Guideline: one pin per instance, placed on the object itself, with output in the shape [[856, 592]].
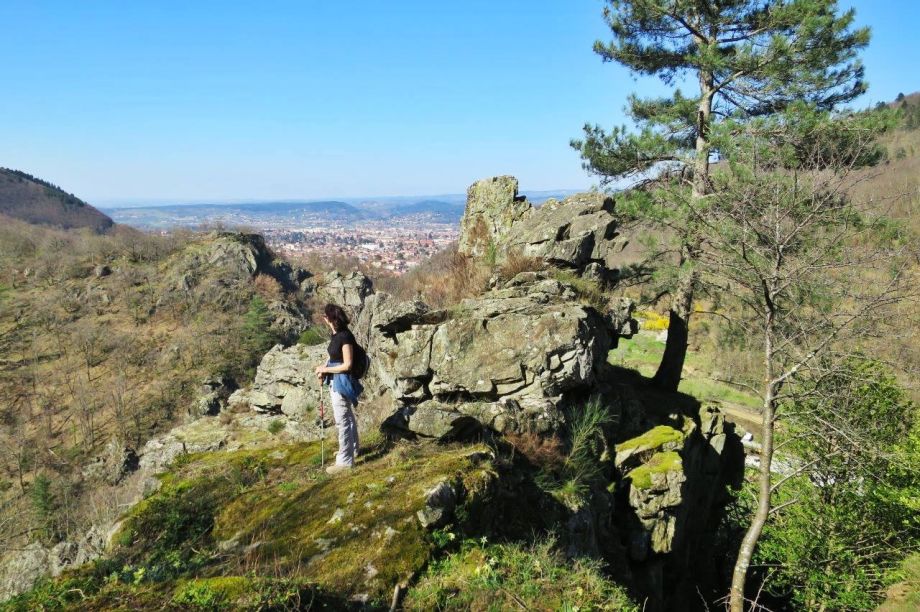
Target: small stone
[[336, 517], [324, 543]]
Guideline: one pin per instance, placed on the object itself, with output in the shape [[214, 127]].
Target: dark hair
[[336, 316]]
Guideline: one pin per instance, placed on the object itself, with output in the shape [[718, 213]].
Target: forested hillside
[[25, 197]]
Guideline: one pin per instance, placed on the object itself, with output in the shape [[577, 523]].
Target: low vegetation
[[484, 576]]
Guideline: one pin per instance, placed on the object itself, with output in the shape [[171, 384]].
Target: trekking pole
[[322, 428]]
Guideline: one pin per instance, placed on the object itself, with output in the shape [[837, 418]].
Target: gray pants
[[347, 427]]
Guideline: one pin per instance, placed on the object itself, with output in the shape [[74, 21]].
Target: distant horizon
[[158, 203]]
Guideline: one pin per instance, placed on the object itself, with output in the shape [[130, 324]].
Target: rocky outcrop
[[21, 569], [115, 463], [493, 207], [672, 485], [285, 382], [347, 290], [578, 232], [214, 391], [446, 369]]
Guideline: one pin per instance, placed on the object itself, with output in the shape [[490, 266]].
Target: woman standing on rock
[[343, 387]]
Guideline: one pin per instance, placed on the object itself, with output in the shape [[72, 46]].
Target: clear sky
[[196, 100]]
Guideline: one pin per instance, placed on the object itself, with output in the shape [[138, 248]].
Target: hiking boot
[[336, 469]]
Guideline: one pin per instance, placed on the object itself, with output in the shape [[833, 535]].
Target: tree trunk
[[764, 483], [703, 114], [675, 350]]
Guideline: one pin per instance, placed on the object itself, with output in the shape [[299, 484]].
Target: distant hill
[[191, 215], [22, 196], [447, 212]]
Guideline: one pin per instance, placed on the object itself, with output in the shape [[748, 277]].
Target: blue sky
[[166, 101]]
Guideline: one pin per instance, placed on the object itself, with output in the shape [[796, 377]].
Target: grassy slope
[[264, 528], [700, 379], [905, 595]]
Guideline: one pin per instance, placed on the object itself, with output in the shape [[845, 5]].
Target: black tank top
[[339, 339]]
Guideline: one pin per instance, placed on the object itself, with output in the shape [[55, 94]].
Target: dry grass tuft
[[444, 280], [515, 263], [540, 451]]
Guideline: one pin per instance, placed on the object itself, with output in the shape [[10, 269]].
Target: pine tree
[[744, 59], [257, 328]]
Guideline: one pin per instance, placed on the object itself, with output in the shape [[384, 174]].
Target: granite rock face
[[578, 232], [493, 207], [347, 290], [505, 359]]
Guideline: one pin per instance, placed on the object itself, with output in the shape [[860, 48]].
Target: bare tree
[[799, 257]]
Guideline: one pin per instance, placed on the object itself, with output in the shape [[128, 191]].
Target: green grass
[[714, 391], [905, 595], [643, 353]]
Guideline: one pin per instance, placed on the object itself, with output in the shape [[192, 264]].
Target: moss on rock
[[653, 438], [275, 512], [660, 463]]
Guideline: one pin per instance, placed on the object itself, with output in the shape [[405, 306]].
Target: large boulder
[[507, 359], [284, 381], [347, 290]]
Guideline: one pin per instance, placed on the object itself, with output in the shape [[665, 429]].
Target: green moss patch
[[275, 512], [652, 439], [660, 463]]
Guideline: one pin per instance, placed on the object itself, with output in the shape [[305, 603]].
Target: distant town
[[392, 234], [394, 238], [391, 245]]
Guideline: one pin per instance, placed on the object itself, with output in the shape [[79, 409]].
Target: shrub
[[276, 426], [443, 280], [851, 517], [650, 320], [542, 451], [311, 337], [584, 462], [588, 291], [267, 287], [515, 263]]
